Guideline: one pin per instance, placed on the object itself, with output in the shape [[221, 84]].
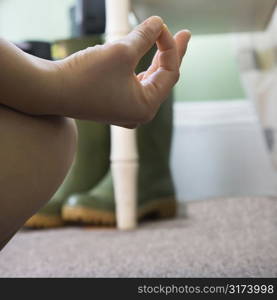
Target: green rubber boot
[[92, 158], [155, 185]]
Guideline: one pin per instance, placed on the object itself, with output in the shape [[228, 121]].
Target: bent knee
[[36, 154], [45, 139]]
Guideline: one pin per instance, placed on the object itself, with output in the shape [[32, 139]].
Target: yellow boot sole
[[44, 221], [161, 208]]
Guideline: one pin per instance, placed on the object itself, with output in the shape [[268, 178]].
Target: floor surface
[[229, 237]]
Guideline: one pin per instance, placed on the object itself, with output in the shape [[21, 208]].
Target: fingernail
[[165, 26], [154, 22]]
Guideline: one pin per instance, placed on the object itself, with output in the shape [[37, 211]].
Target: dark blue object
[[36, 48], [89, 17]]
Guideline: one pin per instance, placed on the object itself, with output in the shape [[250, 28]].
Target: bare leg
[[35, 155]]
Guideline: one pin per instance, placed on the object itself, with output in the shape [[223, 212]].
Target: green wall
[[34, 19], [209, 70]]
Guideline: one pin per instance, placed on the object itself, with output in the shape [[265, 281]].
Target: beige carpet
[[217, 238]]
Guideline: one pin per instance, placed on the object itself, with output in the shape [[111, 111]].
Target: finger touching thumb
[[144, 36]]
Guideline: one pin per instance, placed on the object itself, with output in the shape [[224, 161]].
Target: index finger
[[144, 36], [159, 83], [168, 54]]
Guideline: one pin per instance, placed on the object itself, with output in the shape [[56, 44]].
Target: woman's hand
[[99, 83]]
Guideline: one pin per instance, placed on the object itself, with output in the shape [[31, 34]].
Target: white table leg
[[123, 141]]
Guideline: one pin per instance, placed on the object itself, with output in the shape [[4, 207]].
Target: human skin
[[35, 155], [38, 98], [97, 83]]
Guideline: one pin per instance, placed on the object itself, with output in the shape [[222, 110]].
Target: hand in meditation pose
[[38, 98]]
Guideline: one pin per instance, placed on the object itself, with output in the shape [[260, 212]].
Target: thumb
[[144, 36]]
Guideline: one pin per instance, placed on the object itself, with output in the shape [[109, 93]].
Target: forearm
[[27, 83]]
